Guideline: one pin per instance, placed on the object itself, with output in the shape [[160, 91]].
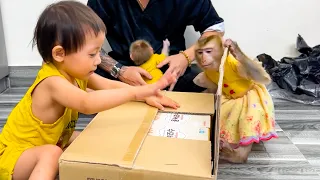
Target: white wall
[[19, 20], [259, 26]]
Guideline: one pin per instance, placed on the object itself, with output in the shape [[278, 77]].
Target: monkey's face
[[209, 56]]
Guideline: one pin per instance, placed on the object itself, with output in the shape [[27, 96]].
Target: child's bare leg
[[38, 163]]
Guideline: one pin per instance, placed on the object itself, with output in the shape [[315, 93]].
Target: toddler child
[[69, 36]]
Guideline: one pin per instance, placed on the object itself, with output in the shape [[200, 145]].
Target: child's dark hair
[[140, 51], [65, 23]]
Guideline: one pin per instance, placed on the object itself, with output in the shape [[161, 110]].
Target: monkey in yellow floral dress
[[247, 110]]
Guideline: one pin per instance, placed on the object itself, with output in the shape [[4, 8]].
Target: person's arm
[[191, 51], [100, 8], [107, 62], [65, 93], [205, 19], [97, 82], [129, 74], [68, 95]]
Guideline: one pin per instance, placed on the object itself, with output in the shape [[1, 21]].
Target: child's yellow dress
[[23, 130], [151, 67], [247, 110]]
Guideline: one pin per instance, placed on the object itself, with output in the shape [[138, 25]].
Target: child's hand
[[162, 102], [234, 49], [142, 92]]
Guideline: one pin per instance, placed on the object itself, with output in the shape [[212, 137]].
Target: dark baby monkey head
[[209, 51], [140, 52]]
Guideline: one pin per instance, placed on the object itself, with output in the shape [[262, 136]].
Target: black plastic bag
[[309, 88], [298, 75], [302, 46], [278, 93], [283, 74]]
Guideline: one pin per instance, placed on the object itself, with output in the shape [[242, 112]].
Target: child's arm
[[97, 82], [165, 49], [248, 68], [68, 95]]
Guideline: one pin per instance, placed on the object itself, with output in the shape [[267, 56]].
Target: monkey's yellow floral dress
[[247, 110]]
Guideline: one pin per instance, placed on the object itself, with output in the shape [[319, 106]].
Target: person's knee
[[51, 151]]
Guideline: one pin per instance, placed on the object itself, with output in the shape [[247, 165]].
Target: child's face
[[83, 63], [209, 56]]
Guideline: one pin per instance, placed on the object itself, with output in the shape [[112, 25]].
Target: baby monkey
[[208, 53], [247, 111], [142, 54]]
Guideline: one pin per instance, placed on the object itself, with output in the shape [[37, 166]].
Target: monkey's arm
[[165, 49], [202, 80], [253, 69]]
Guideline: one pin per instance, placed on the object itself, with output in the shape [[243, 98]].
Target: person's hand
[[142, 92], [161, 102], [133, 75], [234, 49], [177, 65]]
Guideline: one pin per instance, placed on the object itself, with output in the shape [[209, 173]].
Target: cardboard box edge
[[213, 177]]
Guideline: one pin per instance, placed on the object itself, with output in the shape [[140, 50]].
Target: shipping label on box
[[181, 125]]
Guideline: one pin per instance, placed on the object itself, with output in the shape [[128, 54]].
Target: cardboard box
[[116, 145], [181, 125]]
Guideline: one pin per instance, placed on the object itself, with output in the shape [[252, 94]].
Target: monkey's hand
[[165, 49], [166, 43], [234, 49], [203, 81], [248, 68]]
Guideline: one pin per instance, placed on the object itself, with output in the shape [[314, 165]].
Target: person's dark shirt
[[161, 19]]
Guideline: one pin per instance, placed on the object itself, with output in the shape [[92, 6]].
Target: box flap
[[193, 103], [112, 138]]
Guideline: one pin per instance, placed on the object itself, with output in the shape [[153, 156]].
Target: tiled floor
[[294, 155]]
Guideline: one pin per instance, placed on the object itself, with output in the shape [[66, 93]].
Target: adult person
[[154, 21]]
